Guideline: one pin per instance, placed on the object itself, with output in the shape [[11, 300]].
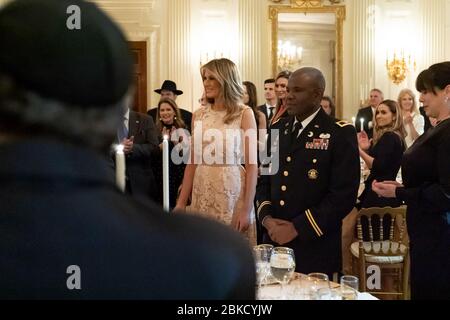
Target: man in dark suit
[[140, 141], [271, 100], [169, 90], [67, 232], [375, 98], [302, 205]]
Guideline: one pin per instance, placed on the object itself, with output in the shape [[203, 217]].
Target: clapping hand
[[363, 140], [408, 120]]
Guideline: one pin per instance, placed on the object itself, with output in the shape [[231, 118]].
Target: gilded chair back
[[381, 244]]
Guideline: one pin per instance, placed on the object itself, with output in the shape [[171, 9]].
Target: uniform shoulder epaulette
[[343, 123]]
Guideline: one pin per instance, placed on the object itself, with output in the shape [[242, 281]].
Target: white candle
[[362, 124], [354, 120], [165, 164], [120, 167]]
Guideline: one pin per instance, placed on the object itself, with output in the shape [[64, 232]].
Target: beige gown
[[219, 180]]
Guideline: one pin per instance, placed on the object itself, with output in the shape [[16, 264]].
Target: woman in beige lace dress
[[223, 139]]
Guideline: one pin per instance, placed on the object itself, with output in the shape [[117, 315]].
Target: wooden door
[[139, 52]]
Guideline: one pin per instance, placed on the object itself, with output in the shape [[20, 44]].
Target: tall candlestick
[[362, 124], [120, 167], [165, 163]]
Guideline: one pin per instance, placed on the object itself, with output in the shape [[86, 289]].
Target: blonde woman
[[383, 154], [413, 121], [215, 179]]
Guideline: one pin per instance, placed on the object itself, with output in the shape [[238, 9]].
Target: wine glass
[[261, 254], [319, 286], [282, 266], [349, 287]]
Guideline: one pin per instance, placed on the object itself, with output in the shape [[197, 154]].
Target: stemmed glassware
[[282, 266]]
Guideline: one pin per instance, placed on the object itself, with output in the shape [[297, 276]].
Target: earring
[[160, 119], [175, 118]]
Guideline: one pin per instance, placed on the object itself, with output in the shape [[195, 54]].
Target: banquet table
[[296, 290]]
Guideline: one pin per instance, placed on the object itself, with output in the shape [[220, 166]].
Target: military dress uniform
[[315, 187]]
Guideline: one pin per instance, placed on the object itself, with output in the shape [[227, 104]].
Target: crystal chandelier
[[288, 55]]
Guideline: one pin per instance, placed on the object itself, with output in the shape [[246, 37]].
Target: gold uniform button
[[283, 188], [286, 173], [282, 203], [288, 159], [315, 161]]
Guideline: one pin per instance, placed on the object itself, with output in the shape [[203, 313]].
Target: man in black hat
[[169, 90], [67, 232]]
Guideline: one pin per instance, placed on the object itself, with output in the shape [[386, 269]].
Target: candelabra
[[399, 67]]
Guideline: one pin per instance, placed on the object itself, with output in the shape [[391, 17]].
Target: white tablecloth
[[295, 290]]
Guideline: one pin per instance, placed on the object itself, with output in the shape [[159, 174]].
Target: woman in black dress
[[426, 190], [169, 123], [382, 155]]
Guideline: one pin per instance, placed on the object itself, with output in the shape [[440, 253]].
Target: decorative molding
[[340, 14], [306, 3]]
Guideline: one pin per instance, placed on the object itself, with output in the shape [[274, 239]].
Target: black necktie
[[270, 113], [296, 129]]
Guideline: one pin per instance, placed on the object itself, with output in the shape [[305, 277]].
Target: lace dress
[[219, 180]]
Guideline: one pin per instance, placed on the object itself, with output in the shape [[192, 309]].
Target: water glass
[[262, 254], [318, 286], [349, 287]]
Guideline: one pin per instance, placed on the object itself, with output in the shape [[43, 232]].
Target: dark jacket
[[426, 176], [139, 168], [387, 154], [315, 187], [60, 207]]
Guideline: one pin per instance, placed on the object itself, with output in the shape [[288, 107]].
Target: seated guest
[[67, 231], [168, 123], [413, 121], [383, 154]]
